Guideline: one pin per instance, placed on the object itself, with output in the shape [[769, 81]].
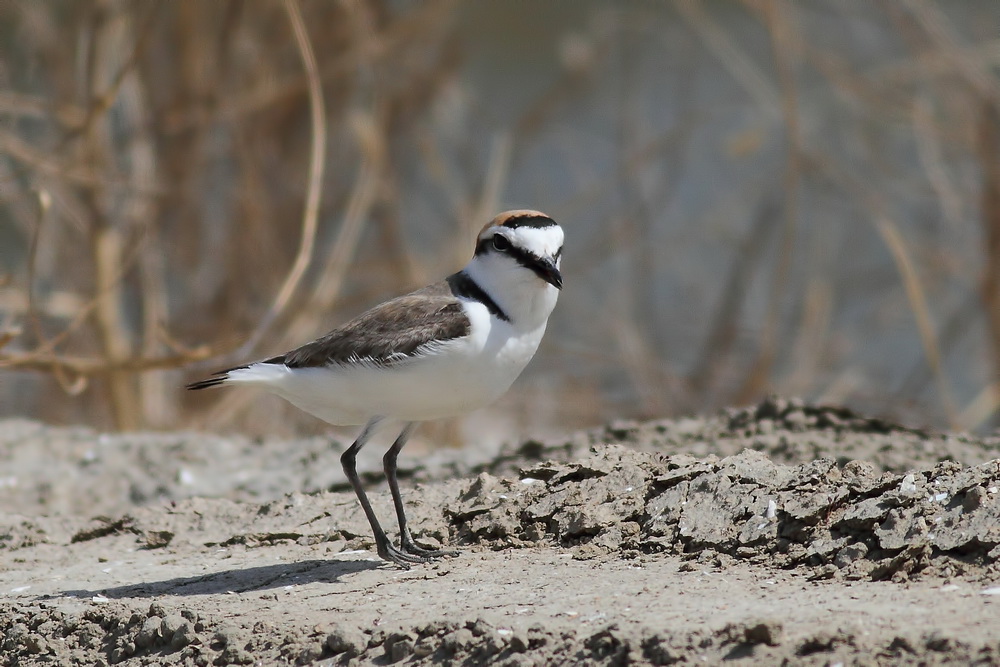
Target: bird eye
[[501, 243]]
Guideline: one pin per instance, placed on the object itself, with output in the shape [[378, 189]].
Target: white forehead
[[539, 241]]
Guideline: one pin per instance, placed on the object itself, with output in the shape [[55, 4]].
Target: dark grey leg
[[382, 544], [389, 465]]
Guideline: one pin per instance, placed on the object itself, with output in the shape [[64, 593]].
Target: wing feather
[[388, 333]]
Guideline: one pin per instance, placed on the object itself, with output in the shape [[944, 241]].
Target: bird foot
[[411, 547], [387, 551]]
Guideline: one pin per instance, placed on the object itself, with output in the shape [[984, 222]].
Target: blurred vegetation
[[758, 196]]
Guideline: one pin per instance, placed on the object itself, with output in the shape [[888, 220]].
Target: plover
[[441, 351]]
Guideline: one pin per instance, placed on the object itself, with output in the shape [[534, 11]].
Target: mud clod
[[346, 640], [149, 634], [764, 632], [745, 507]]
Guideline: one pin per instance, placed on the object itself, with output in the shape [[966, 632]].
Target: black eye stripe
[[522, 256]]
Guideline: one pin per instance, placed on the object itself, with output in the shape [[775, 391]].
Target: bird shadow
[[242, 580]]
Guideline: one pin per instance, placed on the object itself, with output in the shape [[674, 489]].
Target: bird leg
[[383, 546], [389, 465]]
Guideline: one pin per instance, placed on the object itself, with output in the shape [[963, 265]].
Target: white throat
[[524, 297]]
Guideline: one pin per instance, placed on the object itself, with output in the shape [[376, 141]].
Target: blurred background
[[759, 196]]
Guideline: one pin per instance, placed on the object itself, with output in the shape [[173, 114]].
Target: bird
[[441, 351]]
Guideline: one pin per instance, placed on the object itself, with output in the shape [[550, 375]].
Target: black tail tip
[[218, 378], [206, 384]]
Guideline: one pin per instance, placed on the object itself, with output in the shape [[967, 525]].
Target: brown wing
[[389, 332]]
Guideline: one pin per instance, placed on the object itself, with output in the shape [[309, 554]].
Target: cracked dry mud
[[779, 533]]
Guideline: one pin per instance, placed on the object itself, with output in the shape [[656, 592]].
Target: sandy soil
[[779, 533]]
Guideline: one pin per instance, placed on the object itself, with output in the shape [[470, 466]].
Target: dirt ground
[[780, 533]]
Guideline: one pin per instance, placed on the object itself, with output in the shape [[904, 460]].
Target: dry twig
[[317, 158]]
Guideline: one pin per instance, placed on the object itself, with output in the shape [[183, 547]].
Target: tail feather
[[218, 378], [261, 370]]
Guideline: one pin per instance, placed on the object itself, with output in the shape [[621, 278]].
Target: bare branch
[[98, 366], [317, 157]]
